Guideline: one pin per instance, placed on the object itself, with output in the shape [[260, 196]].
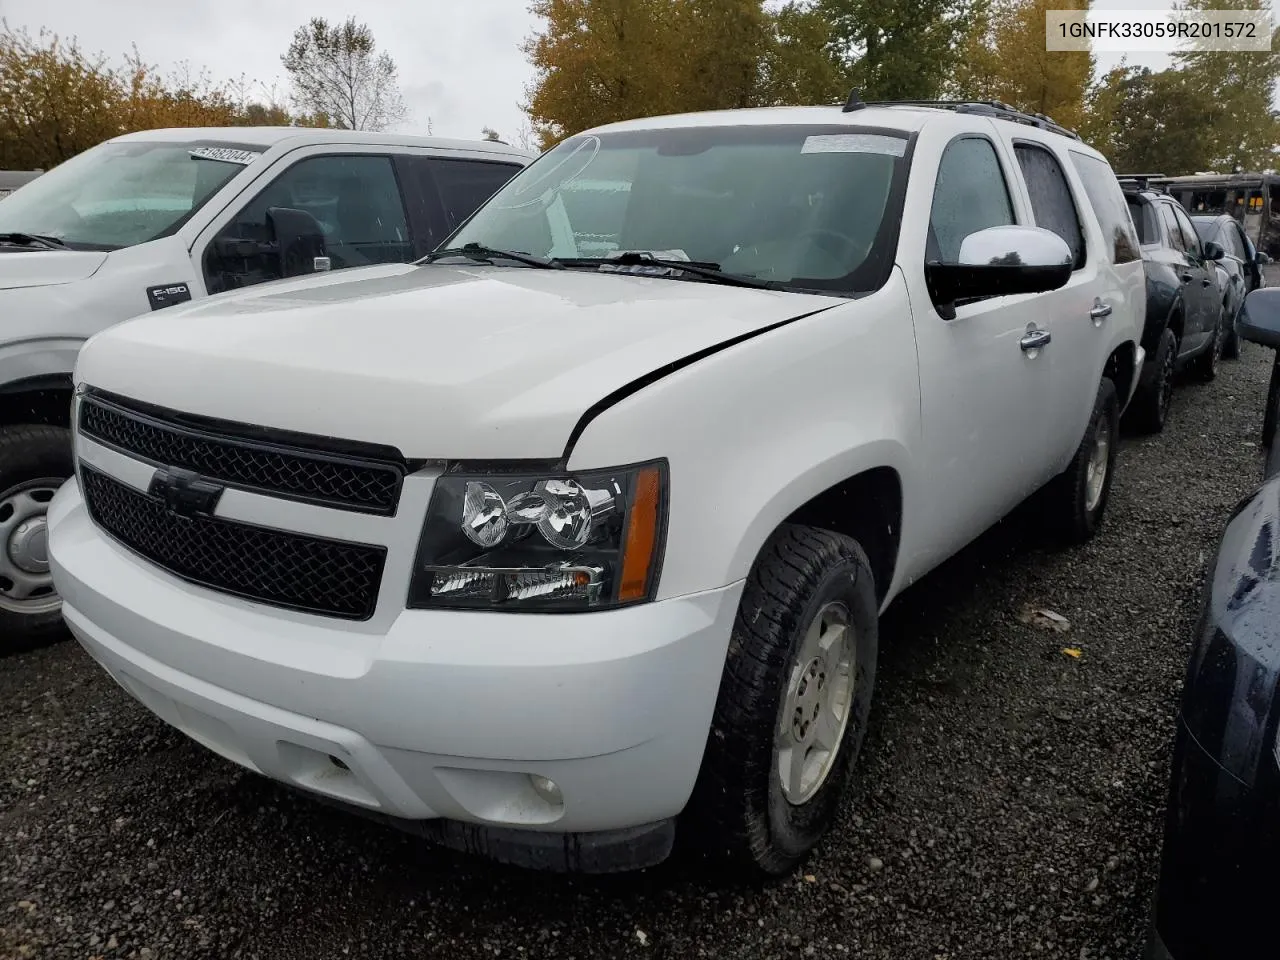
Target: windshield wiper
[[712, 271], [479, 252], [32, 240]]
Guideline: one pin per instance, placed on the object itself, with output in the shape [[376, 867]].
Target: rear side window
[[970, 195], [1144, 219], [1122, 223], [1051, 200]]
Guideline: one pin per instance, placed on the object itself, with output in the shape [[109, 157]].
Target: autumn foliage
[[598, 61], [56, 100]]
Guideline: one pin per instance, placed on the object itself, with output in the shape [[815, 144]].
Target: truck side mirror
[[1259, 320], [299, 241]]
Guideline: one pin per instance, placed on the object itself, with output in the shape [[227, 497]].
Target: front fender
[[38, 359], [754, 431]]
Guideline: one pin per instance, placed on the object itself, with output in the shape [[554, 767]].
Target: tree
[[1004, 58], [598, 61], [896, 51], [1237, 90], [800, 64], [56, 100], [1146, 121], [337, 72]]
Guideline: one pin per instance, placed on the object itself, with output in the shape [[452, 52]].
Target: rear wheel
[[793, 703], [34, 462]]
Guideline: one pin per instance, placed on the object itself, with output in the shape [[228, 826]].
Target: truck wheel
[[793, 703], [34, 462], [1076, 499], [1150, 407]]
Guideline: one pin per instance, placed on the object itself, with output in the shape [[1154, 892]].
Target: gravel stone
[[1005, 777]]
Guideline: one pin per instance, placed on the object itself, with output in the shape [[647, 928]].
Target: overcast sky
[[460, 61]]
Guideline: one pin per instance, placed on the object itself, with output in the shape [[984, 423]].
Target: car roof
[[267, 137], [905, 117]]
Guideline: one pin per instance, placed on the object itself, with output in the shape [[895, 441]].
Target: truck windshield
[[801, 207], [121, 194]]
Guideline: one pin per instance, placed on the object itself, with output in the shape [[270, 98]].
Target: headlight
[[582, 541]]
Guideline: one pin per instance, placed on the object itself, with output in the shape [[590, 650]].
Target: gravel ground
[[1008, 805]]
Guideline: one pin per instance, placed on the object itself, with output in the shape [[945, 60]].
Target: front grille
[[283, 569], [251, 463]]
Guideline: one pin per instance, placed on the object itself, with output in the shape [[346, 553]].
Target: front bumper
[[442, 715]]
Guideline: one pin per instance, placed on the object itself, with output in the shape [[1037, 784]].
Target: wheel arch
[[860, 495]]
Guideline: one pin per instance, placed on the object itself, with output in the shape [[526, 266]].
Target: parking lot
[[1009, 799]]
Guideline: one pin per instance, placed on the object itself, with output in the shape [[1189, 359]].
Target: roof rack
[[986, 108], [1143, 181]]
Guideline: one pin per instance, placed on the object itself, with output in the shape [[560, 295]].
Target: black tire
[[738, 813], [31, 457], [1272, 414], [1205, 366], [1068, 511], [1231, 340], [1150, 407]]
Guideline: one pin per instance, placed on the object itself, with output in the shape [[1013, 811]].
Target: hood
[[20, 267], [440, 362]]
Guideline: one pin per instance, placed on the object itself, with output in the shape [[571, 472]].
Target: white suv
[[536, 552]]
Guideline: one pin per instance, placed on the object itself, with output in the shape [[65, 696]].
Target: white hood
[[43, 268], [441, 362]]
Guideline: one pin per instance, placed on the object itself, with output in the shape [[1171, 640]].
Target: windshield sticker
[[225, 154], [855, 143]]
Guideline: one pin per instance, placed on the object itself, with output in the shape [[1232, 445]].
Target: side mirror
[[1214, 251], [299, 241], [1259, 319], [1261, 259], [1000, 262]]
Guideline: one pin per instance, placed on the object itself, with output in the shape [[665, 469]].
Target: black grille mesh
[[372, 487], [271, 566]]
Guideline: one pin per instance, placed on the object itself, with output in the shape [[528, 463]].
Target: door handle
[[1100, 311], [1187, 278], [1035, 339], [1205, 282]]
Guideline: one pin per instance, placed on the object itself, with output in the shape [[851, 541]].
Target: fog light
[[546, 789]]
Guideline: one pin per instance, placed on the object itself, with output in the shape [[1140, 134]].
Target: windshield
[[804, 207], [120, 194]]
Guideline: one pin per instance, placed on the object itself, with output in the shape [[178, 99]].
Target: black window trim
[[240, 201], [1085, 259]]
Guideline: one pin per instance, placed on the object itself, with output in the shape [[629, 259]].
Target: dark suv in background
[[1186, 304], [1241, 269]]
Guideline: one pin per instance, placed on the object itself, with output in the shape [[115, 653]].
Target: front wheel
[[34, 462], [1076, 500], [793, 703]]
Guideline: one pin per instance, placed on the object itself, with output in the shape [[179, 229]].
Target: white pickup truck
[[150, 220], [546, 554]]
